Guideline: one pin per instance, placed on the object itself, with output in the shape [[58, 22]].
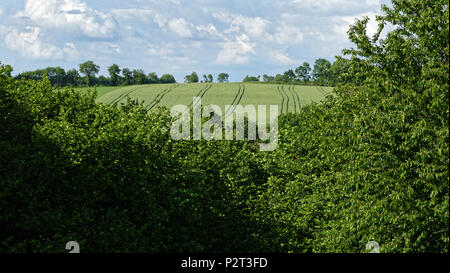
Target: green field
[[102, 90], [289, 98]]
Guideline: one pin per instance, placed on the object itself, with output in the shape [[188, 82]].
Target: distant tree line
[[86, 76], [323, 73], [193, 78]]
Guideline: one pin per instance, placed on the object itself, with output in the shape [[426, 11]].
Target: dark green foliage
[[89, 69], [60, 78], [112, 180], [372, 164], [223, 77], [191, 78], [368, 164], [114, 73], [167, 78], [251, 79]]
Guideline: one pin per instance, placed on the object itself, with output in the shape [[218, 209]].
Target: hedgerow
[[368, 164]]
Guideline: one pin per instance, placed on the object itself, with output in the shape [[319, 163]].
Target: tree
[[127, 76], [114, 73], [152, 78], [167, 78], [139, 76], [205, 78], [73, 78], [60, 76], [279, 78], [303, 72], [380, 147], [210, 78], [321, 71], [103, 81], [5, 70], [192, 78], [289, 76], [89, 69], [267, 78], [56, 75], [339, 72], [251, 79], [223, 77]]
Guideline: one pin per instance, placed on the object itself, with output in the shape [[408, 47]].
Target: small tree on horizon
[[114, 73], [89, 69], [223, 77], [192, 78]]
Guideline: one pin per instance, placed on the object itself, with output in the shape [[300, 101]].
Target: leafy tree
[[6, 70], [267, 78], [205, 78], [114, 74], [73, 78], [289, 76], [251, 79], [210, 78], [371, 164], [139, 76], [223, 77], [152, 78], [89, 69], [127, 76], [192, 78], [103, 81], [167, 78], [321, 71], [340, 72], [279, 78], [303, 72]]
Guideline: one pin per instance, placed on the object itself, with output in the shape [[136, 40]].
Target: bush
[[368, 164]]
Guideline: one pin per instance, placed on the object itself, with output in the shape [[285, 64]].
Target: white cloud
[[282, 58], [251, 26], [70, 15], [160, 51], [133, 14], [4, 29], [235, 52], [160, 20], [342, 24], [210, 31], [181, 27], [106, 48], [288, 34], [331, 7], [29, 44]]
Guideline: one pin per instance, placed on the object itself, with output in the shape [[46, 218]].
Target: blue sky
[[176, 36]]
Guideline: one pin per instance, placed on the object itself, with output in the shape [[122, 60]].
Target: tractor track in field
[[200, 94], [290, 87], [282, 99], [123, 95], [325, 91], [320, 89], [240, 98], [237, 100], [298, 98], [159, 97], [287, 99]]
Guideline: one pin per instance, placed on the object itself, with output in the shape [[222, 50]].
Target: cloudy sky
[[177, 36]]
